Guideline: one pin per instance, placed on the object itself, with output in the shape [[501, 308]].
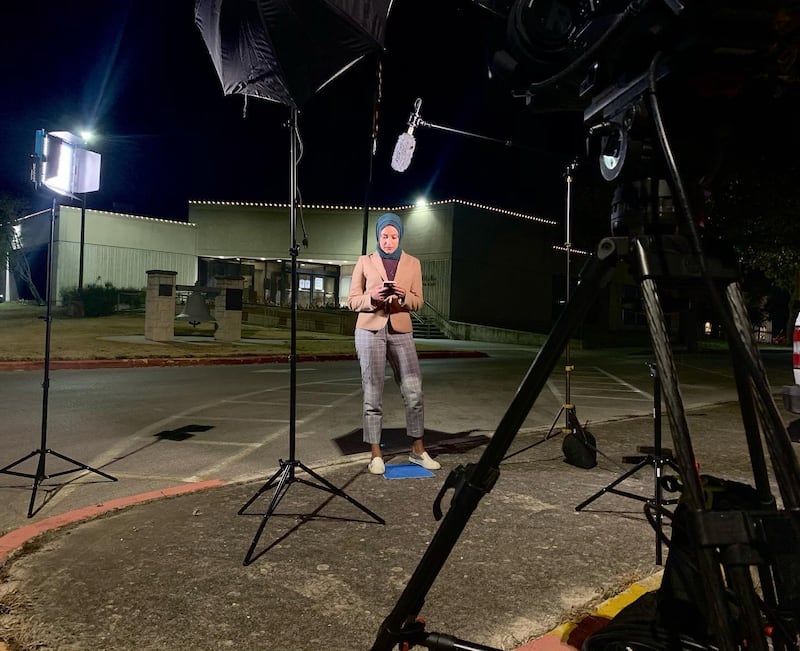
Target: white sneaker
[[376, 466], [424, 460]]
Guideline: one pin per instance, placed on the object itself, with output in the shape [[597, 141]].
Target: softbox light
[[285, 51], [65, 165]]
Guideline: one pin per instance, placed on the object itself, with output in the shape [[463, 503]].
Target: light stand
[[657, 459], [82, 246], [285, 476], [41, 472], [568, 409], [571, 423], [373, 143]]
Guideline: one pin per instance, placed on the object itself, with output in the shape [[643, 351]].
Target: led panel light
[[65, 165]]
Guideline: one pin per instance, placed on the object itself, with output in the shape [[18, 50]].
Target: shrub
[[101, 300]]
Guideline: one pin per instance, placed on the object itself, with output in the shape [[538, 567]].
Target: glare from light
[[87, 134], [60, 179], [67, 167], [421, 202]]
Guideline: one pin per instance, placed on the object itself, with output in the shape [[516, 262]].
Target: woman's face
[[389, 239]]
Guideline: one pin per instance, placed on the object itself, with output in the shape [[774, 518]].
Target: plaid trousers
[[374, 349]]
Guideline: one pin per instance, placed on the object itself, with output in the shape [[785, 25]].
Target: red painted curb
[[549, 642], [15, 539], [210, 361]]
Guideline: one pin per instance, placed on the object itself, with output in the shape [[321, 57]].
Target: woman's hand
[[378, 294], [381, 294], [399, 293]]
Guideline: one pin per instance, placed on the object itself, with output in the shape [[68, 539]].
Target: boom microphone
[[406, 143], [403, 151]]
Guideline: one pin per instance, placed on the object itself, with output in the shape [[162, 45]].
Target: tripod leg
[[751, 417], [692, 492], [657, 460], [40, 466], [750, 420], [779, 445], [553, 424], [81, 466], [658, 498], [7, 470], [475, 480], [546, 437], [41, 473], [335, 490], [283, 485], [282, 480], [267, 485], [610, 487]]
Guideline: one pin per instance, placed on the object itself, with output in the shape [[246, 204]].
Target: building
[[481, 265], [118, 249]]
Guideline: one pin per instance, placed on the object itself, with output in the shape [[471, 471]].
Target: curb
[[16, 539], [155, 362], [571, 635], [568, 636]]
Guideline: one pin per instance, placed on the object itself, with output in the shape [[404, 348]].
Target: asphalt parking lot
[[169, 573]]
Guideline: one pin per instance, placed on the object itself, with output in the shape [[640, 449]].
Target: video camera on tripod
[[731, 580], [564, 54]]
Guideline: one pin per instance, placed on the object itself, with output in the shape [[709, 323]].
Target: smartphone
[[388, 284]]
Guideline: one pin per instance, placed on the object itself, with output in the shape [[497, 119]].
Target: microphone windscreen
[[403, 151]]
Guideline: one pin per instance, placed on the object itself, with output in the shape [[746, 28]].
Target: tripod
[[726, 601], [657, 459], [471, 482], [41, 472], [571, 423], [286, 475], [568, 409]]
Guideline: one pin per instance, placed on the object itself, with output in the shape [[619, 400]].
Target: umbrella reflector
[[286, 50]]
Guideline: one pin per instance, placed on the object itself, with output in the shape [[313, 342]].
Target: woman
[[386, 287]]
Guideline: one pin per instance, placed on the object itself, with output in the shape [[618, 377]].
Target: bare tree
[[11, 210]]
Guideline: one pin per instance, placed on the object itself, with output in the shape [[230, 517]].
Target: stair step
[[424, 329]]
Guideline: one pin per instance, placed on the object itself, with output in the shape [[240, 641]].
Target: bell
[[195, 311]]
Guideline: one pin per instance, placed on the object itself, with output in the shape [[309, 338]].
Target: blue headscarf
[[389, 219]]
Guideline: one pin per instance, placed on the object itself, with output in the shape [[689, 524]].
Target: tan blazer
[[369, 273]]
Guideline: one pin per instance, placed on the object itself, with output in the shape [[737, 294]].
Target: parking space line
[[196, 416], [282, 403], [217, 468], [619, 380]]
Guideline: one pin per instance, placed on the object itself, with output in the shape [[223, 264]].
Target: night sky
[[138, 73]]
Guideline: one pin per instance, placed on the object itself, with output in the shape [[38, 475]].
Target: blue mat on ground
[[405, 471]]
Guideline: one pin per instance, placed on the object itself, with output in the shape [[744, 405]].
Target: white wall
[[334, 234], [121, 248], [118, 248]]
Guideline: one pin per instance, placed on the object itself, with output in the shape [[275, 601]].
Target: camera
[[564, 54]]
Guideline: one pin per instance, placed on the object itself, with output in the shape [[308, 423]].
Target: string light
[[502, 211]]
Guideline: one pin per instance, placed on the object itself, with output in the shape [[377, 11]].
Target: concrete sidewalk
[[169, 573]]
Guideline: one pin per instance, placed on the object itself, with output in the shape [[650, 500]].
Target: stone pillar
[[159, 309], [228, 308]]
